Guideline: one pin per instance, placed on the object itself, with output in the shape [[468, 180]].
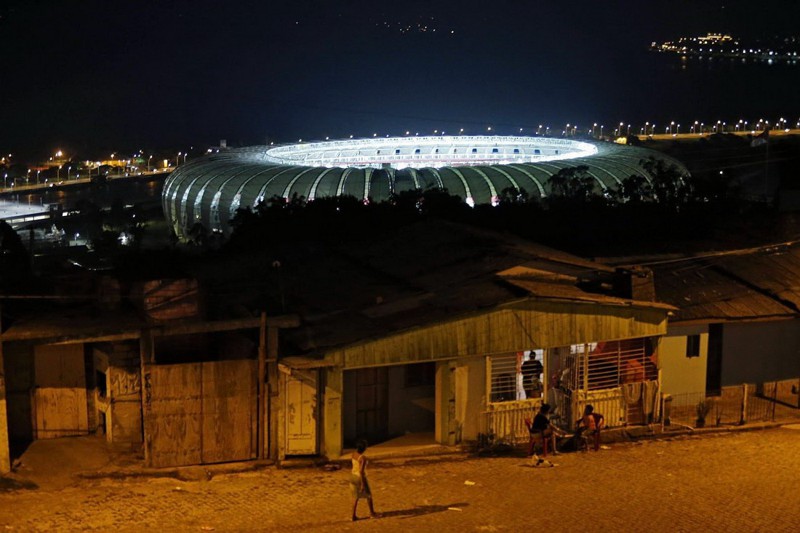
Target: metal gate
[[199, 413]]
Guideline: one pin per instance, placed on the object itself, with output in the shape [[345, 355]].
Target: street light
[[148, 162], [58, 174], [68, 169]]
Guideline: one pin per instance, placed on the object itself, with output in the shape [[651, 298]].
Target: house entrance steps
[[409, 446]]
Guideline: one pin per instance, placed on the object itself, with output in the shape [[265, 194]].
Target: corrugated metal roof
[[725, 288], [446, 271], [776, 273]]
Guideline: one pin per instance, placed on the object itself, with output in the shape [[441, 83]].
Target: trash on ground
[[454, 509], [538, 462], [604, 447], [468, 482]]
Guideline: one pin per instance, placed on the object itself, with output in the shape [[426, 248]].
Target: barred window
[[610, 364], [603, 365], [516, 376]]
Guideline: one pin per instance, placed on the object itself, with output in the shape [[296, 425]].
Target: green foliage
[[670, 186]]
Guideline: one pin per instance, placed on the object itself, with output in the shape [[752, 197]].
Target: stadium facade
[[209, 190]]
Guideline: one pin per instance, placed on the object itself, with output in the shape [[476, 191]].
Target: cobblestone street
[[731, 481]]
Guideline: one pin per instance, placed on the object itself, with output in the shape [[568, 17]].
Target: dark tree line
[[578, 215]]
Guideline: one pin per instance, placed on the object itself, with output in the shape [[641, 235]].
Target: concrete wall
[[470, 397], [760, 351], [348, 410], [5, 452], [681, 374], [333, 415], [124, 391]]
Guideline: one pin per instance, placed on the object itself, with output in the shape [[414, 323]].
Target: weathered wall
[[60, 404], [123, 390], [332, 413], [681, 374], [470, 397], [349, 407], [5, 452], [446, 427], [760, 351], [525, 325]]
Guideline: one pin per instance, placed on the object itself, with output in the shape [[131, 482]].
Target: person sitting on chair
[[590, 425], [542, 428]]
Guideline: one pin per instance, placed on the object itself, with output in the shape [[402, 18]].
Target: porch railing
[[619, 407]]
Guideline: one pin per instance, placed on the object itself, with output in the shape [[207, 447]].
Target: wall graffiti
[[122, 384]]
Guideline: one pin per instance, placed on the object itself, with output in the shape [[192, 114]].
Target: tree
[[669, 184], [634, 189], [573, 184], [512, 195]]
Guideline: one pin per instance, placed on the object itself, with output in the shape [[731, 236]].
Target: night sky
[[100, 75]]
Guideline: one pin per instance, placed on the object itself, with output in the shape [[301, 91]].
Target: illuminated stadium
[[209, 190]]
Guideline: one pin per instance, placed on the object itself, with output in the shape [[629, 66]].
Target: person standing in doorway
[[359, 485]]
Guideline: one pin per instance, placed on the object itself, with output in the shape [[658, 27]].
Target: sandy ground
[[732, 481]]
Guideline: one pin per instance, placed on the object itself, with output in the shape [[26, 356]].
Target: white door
[[301, 412]]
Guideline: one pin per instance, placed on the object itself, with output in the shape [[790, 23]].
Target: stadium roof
[[209, 190]]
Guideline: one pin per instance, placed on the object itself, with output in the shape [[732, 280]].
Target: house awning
[[304, 363], [522, 325]]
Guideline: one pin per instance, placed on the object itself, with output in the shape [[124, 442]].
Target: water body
[[130, 191]]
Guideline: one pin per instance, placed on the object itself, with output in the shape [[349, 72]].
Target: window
[[421, 375], [693, 346], [517, 376], [495, 150], [516, 150], [474, 150], [537, 151], [397, 151], [610, 364], [416, 152]]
